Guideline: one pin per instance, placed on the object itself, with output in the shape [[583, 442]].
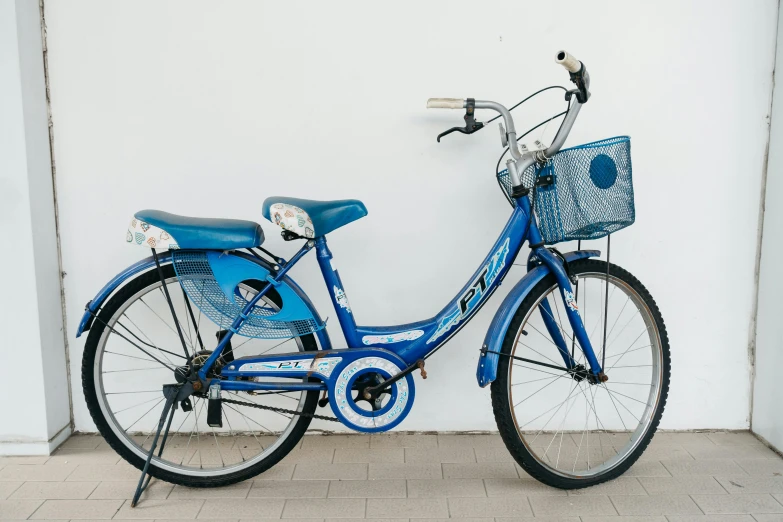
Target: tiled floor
[[682, 477]]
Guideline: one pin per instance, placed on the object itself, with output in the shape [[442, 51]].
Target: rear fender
[[488, 362]]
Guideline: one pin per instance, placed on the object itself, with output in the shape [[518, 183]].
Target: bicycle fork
[[555, 265]]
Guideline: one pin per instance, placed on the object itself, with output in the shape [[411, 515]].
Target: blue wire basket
[[585, 192]]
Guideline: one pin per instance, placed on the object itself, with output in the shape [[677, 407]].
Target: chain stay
[[279, 410]]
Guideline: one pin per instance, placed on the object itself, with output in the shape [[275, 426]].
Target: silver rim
[[128, 385], [573, 428]]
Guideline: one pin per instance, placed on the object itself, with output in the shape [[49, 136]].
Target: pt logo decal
[[475, 293], [571, 301]]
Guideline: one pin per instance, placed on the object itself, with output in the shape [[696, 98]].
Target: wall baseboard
[[37, 448]]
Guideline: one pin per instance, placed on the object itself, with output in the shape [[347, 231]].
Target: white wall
[[35, 408], [206, 108], [767, 393]]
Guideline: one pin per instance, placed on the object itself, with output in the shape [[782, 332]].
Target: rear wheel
[[133, 350], [562, 429]]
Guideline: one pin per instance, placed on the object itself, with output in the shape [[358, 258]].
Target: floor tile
[[747, 484], [618, 486], [381, 488], [394, 455], [651, 468], [84, 442], [723, 438], [652, 518], [665, 438], [682, 485], [673, 452], [445, 488], [403, 440], [277, 472], [373, 519], [761, 467], [289, 489], [336, 441], [702, 467], [27, 473], [406, 471], [18, 509], [7, 488], [312, 455], [23, 459], [731, 451], [497, 507], [325, 507], [470, 441], [340, 471], [471, 519], [747, 503], [548, 519], [437, 455], [124, 490], [492, 454], [55, 490], [655, 505], [482, 470], [162, 509], [712, 518], [765, 518], [242, 508], [238, 490], [519, 487], [413, 508], [574, 506], [104, 473], [77, 509], [84, 456]]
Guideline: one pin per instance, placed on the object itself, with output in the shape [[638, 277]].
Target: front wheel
[[563, 429]]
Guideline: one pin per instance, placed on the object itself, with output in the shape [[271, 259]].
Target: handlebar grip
[[570, 63], [445, 103]]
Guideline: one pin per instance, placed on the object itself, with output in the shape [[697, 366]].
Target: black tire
[[502, 404], [90, 393]]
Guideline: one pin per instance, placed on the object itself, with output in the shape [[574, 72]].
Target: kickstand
[[173, 394]]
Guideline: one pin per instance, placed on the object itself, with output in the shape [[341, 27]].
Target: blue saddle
[[205, 233], [310, 218]]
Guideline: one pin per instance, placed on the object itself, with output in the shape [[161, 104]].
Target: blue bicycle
[[205, 362]]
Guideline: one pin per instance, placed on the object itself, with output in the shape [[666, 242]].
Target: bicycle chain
[[280, 410]]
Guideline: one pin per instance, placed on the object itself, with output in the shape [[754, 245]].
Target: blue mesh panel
[[195, 276], [592, 193]]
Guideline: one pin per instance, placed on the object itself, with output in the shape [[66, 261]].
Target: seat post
[[337, 293]]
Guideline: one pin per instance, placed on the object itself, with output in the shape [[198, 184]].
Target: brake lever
[[471, 125]]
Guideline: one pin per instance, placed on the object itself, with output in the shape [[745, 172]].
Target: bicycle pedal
[[186, 405], [214, 407], [324, 400]]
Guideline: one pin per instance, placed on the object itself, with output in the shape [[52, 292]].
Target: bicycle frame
[[413, 342]]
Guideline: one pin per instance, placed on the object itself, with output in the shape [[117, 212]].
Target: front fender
[[94, 306], [488, 362]]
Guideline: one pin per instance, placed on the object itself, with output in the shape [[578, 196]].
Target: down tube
[[476, 292]]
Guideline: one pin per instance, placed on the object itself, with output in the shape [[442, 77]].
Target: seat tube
[[337, 293]]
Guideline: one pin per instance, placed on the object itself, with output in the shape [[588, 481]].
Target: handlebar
[[570, 63], [519, 162], [445, 103]]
